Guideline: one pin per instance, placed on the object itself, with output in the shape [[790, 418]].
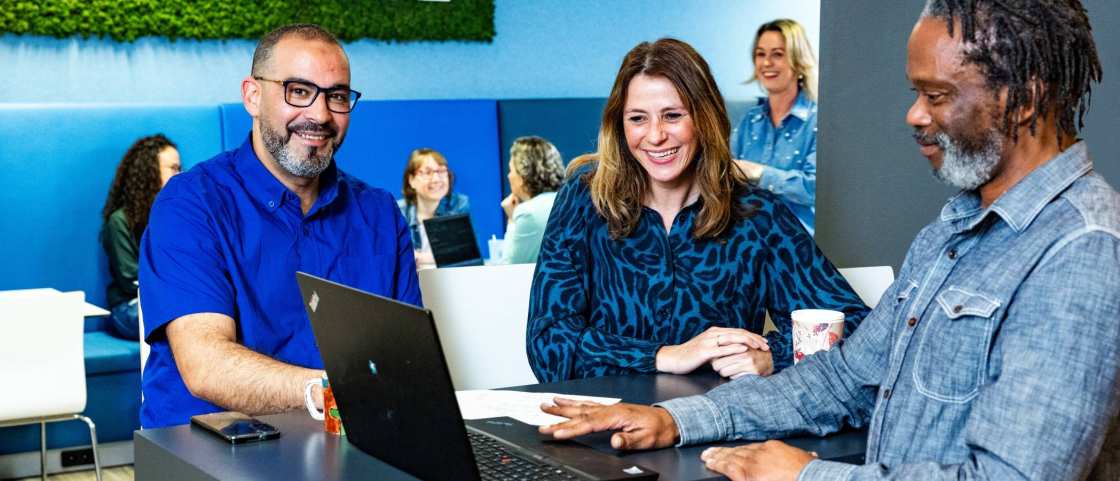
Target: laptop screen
[[452, 240]]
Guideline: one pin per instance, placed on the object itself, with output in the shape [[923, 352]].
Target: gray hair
[[538, 163]]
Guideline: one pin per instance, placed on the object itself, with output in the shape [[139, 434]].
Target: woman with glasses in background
[[427, 193]]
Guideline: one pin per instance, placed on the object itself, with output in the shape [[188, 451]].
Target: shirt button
[[913, 321], [886, 394], [957, 309], [952, 254], [271, 203]]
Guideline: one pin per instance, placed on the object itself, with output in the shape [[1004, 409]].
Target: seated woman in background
[[427, 193], [777, 139], [660, 256], [535, 172], [144, 170]]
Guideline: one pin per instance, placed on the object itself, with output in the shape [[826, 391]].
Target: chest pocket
[[953, 351]]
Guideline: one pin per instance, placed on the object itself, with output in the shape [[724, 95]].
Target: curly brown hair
[[137, 182]]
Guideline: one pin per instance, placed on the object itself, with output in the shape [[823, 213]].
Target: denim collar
[[802, 107], [1022, 203], [267, 189]]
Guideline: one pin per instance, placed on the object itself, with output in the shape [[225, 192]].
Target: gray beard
[[317, 160], [964, 168]]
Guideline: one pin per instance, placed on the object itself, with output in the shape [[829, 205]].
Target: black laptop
[[396, 399], [452, 240]]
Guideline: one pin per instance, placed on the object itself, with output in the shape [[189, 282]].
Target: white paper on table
[[522, 406]]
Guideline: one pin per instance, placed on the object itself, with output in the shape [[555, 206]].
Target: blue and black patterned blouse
[[604, 307]]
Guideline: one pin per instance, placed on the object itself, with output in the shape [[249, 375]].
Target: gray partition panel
[[874, 190]]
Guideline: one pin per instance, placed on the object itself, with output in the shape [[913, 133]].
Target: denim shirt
[[787, 152], [451, 204], [995, 354]]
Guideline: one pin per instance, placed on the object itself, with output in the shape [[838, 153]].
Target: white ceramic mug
[[815, 330]]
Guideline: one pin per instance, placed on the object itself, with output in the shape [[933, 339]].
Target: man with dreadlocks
[[996, 353]]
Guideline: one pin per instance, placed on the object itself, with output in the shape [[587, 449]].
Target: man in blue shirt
[[222, 309], [996, 353]]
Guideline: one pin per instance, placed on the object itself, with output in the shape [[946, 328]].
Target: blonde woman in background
[[776, 141]]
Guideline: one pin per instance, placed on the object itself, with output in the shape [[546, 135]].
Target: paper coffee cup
[[815, 330]]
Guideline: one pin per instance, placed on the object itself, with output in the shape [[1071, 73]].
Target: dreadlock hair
[[137, 182], [1042, 51]]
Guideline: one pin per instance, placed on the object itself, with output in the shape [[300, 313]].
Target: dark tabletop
[[305, 452]]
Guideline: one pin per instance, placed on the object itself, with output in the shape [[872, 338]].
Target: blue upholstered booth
[[58, 162]]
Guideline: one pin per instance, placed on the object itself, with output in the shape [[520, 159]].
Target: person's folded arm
[[798, 186], [1050, 409]]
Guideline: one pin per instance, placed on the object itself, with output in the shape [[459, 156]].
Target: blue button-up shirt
[[601, 306], [995, 355], [788, 153], [227, 237]]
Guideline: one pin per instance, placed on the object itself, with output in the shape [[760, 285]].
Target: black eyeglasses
[[297, 93]]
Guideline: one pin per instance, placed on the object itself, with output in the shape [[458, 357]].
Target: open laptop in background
[[394, 392], [452, 240]]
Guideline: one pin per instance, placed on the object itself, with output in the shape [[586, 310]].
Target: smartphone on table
[[236, 427]]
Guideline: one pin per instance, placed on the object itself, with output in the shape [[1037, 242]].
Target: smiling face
[[659, 131], [302, 140], [954, 114], [430, 180], [771, 64]]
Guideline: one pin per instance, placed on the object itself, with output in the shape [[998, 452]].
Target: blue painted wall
[[543, 49]]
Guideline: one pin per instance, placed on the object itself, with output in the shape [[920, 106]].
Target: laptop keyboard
[[498, 463]]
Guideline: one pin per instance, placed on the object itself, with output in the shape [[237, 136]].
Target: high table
[[305, 452]]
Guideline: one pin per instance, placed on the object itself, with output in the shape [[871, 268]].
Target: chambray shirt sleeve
[[1049, 412], [560, 336], [819, 395], [798, 186], [799, 276], [182, 265]]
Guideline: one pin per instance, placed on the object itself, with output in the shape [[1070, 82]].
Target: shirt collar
[[802, 107], [1022, 203], [267, 189]]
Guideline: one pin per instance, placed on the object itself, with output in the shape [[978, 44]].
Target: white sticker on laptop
[[314, 302]]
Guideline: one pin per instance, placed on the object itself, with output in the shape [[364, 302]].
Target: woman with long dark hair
[[144, 170]]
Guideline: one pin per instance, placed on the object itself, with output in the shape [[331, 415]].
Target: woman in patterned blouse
[[660, 256]]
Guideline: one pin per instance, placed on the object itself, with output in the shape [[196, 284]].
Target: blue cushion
[[107, 354]]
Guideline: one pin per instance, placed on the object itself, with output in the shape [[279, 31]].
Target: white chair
[[145, 349], [869, 282], [42, 364], [481, 315]]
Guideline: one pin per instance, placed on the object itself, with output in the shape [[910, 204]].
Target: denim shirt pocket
[[953, 352]]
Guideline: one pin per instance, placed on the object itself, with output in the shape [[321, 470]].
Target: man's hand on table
[[769, 461], [639, 427]]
